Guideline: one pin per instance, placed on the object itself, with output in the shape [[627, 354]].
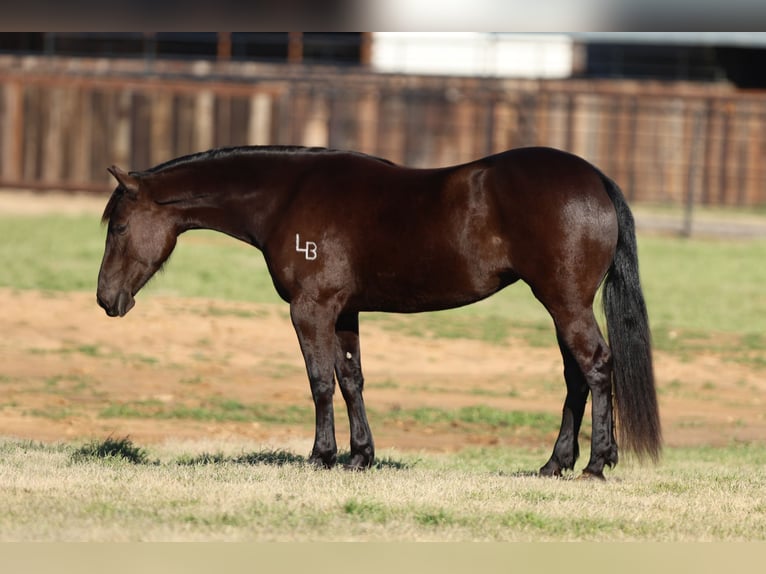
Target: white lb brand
[[309, 250]]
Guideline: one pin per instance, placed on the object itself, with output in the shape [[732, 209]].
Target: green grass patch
[[434, 517], [50, 252], [479, 415], [227, 410], [56, 413], [704, 285], [216, 410], [218, 311], [367, 511], [69, 348], [96, 352], [209, 264], [480, 322], [63, 253], [478, 391], [69, 383]]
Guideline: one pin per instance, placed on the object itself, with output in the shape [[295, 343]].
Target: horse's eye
[[119, 228]]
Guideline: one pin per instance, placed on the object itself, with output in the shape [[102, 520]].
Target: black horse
[[344, 232]]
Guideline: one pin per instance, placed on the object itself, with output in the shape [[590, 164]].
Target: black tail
[[638, 419]]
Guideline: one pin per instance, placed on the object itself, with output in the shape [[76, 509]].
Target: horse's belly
[[432, 283]]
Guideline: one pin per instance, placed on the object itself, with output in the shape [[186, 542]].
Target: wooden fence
[[63, 121]]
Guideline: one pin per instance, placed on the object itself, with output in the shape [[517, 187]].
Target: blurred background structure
[[676, 118]]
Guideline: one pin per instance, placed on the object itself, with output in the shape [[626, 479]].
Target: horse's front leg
[[315, 327], [348, 370]]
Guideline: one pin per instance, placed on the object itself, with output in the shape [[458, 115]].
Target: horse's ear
[[126, 180]]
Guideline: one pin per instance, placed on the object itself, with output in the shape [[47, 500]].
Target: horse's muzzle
[[118, 307]]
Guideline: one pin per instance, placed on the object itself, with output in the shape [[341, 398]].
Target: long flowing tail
[[638, 419]]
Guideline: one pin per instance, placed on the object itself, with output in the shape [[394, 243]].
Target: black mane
[[252, 149], [224, 152]]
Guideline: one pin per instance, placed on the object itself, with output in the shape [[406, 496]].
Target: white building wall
[[474, 54]]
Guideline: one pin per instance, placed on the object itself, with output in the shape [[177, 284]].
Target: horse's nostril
[[110, 310]]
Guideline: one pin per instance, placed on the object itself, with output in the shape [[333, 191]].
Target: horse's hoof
[[358, 463], [550, 471], [319, 462], [549, 474]]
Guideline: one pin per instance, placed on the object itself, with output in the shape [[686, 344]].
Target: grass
[[470, 418], [95, 351], [214, 409], [479, 415], [48, 492], [63, 253], [704, 285]]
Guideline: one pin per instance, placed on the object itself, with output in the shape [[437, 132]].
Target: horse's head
[[140, 237]]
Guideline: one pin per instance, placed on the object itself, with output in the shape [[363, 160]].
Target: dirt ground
[[64, 363]]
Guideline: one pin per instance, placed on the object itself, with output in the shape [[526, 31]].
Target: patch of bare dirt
[[64, 364]]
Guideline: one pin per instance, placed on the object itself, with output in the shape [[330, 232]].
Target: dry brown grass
[[697, 495]]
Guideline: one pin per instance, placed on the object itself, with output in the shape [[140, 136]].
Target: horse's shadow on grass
[[124, 449], [283, 457], [280, 458]]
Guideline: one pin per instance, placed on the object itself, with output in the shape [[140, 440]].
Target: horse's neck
[[241, 210]]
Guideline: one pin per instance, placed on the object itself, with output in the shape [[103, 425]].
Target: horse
[[343, 233]]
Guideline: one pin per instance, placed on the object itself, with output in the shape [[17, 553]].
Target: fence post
[[123, 129], [13, 133], [696, 150], [83, 138], [161, 129], [52, 140]]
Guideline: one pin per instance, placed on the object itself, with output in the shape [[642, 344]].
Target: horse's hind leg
[[567, 449], [580, 333], [348, 370]]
